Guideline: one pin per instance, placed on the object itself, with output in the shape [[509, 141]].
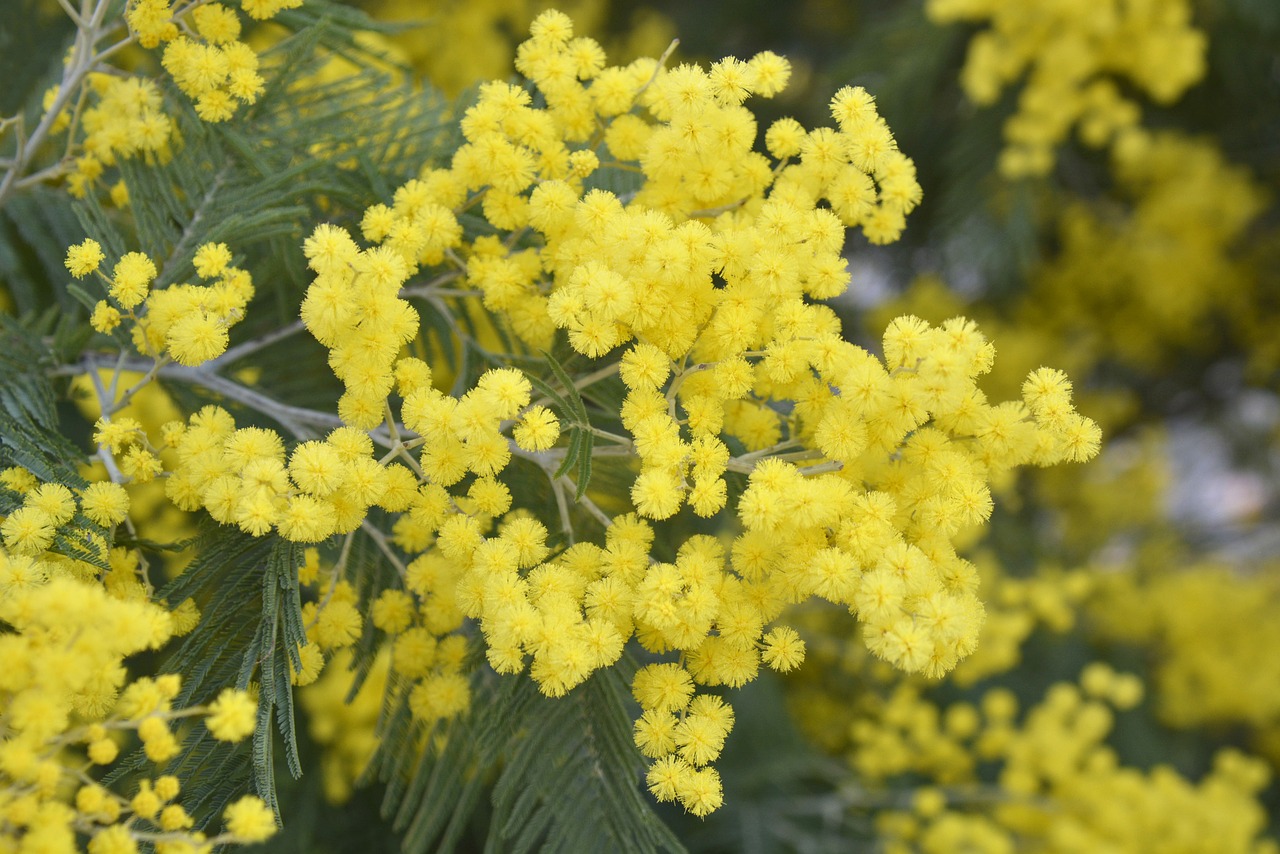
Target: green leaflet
[[562, 774], [572, 409], [249, 631], [30, 429]]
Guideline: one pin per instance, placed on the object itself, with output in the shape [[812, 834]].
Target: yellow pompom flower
[[662, 687], [783, 649], [537, 430], [105, 317], [440, 696], [233, 716], [105, 503], [337, 625], [393, 611], [103, 751], [115, 839], [196, 338], [317, 468], [131, 279], [250, 820], [84, 258], [211, 259], [28, 531]]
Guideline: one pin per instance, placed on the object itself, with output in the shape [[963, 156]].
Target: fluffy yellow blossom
[[84, 258], [131, 278], [538, 429], [250, 820], [1072, 67], [105, 503], [783, 649], [233, 716]]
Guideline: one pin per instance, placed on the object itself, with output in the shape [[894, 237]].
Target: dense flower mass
[[69, 701], [1076, 56], [507, 444], [694, 290]]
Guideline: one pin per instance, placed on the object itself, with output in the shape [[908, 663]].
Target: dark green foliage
[[561, 774], [30, 432], [36, 227], [249, 631], [570, 408]]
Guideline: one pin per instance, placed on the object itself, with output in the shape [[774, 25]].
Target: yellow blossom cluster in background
[[108, 116], [464, 41], [126, 120], [1140, 279], [1209, 631], [205, 56], [346, 727], [1063, 788], [185, 323], [1077, 57], [984, 775]]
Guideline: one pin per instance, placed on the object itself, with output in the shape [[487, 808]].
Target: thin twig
[[83, 61], [427, 289], [662, 61], [246, 348], [380, 539], [587, 504]]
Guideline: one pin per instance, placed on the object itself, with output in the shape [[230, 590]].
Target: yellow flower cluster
[[46, 523], [243, 477], [124, 119], [470, 40], [1210, 630], [859, 471], [1058, 785], [427, 654], [346, 729], [353, 307], [48, 507], [203, 52], [186, 323], [1147, 278], [682, 733], [1076, 56], [68, 703], [701, 277], [1048, 600]]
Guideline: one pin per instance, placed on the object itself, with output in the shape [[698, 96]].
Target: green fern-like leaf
[[563, 774]]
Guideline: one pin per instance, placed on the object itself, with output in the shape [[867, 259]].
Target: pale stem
[[136, 387], [822, 468], [380, 540], [339, 566], [624, 441], [293, 418], [766, 452], [234, 354], [746, 466], [432, 287], [113, 471], [587, 504], [83, 60], [678, 381], [662, 61]]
